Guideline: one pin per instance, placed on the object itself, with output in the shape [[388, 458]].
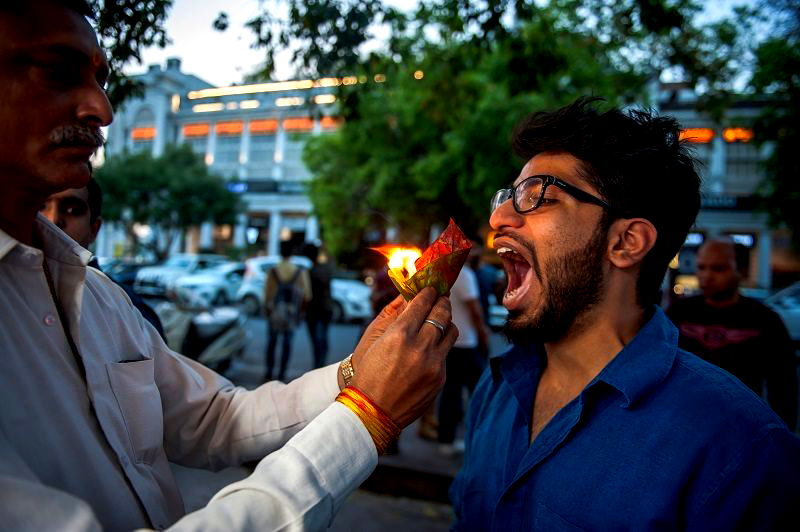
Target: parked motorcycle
[[211, 336]]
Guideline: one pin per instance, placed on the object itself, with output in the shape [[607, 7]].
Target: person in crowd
[[78, 212], [486, 275], [95, 405], [737, 333], [319, 311], [595, 419], [466, 360], [287, 291]]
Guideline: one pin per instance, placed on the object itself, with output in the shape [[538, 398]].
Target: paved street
[[249, 370], [364, 510]]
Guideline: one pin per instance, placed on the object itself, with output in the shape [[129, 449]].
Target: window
[[293, 167], [742, 168], [227, 151]]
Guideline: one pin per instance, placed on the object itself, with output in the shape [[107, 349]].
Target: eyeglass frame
[[547, 180]]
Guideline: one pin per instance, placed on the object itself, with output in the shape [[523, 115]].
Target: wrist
[[380, 426], [346, 372]]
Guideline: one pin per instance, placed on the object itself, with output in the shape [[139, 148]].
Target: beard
[[573, 284]]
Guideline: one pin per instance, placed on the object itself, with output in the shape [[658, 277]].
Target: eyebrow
[[68, 54]]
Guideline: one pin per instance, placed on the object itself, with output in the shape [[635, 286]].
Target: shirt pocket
[[134, 387]]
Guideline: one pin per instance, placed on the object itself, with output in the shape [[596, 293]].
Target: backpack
[[285, 308]]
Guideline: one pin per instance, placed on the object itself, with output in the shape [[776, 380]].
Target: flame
[[401, 259]]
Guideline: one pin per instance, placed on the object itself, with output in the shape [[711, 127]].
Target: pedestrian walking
[[286, 293]]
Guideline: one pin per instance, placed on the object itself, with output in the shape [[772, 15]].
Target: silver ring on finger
[[436, 324]]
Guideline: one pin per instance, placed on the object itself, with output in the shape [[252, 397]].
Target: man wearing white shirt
[[93, 402], [466, 359]]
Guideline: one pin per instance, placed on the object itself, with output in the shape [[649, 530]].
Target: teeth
[[513, 292], [501, 251]]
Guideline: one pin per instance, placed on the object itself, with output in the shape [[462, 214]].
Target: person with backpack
[[286, 292]]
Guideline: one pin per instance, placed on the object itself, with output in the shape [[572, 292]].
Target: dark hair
[[95, 199], [286, 248], [82, 7], [631, 158]]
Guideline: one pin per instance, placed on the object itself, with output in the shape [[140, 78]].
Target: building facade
[[252, 135], [730, 167]]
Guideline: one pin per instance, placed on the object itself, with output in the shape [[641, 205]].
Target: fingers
[[394, 308], [441, 313], [419, 307], [450, 336]]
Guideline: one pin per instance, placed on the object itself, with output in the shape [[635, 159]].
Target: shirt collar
[[642, 364], [56, 244]]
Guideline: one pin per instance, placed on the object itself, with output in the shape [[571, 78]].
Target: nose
[[94, 108], [505, 216]]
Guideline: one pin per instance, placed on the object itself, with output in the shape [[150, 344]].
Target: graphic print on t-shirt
[[714, 337]]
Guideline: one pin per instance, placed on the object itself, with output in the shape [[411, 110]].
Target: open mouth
[[519, 273]]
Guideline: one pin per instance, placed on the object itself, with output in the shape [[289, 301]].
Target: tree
[[413, 152], [169, 193], [124, 28], [426, 129], [777, 75]]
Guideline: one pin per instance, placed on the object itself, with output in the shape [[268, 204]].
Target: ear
[[96, 227], [629, 240]]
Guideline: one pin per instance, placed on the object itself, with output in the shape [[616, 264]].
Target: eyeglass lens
[[527, 193]]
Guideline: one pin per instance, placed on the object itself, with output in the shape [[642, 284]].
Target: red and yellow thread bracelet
[[383, 430]]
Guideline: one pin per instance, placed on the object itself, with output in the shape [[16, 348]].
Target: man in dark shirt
[[735, 332], [595, 419]]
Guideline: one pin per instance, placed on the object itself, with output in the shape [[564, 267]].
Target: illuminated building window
[[208, 107], [249, 104], [737, 134], [298, 124], [143, 133], [199, 129], [324, 98], [289, 101], [330, 122], [263, 126], [233, 127], [700, 135]]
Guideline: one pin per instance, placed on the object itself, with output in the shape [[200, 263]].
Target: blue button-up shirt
[[658, 440]]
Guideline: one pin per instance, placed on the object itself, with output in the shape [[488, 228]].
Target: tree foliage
[[777, 75], [413, 152], [169, 193], [124, 28]]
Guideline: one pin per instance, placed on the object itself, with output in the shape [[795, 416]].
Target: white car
[[156, 280], [214, 286], [786, 303], [350, 296]]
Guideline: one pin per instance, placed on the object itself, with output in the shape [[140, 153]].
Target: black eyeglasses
[[529, 193]]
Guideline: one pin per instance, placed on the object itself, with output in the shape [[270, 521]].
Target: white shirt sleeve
[[299, 487]]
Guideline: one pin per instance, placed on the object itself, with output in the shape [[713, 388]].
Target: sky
[[224, 58]]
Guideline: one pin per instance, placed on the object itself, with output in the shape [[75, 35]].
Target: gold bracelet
[[346, 368], [380, 426]]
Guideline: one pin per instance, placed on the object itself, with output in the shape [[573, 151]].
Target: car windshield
[[178, 262]]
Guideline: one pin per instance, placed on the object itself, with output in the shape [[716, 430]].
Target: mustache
[[72, 135], [537, 267]]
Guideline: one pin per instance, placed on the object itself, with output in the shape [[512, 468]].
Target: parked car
[[122, 271], [154, 281], [350, 296], [786, 303], [498, 314], [217, 285]]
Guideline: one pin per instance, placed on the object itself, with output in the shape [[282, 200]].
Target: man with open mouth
[[594, 419]]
